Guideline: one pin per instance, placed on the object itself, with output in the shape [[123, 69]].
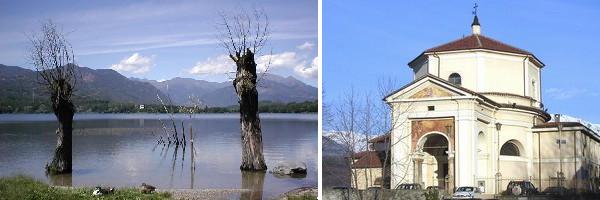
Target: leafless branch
[[241, 32], [54, 60]]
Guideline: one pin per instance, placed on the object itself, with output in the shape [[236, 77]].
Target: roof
[[475, 21], [555, 124], [359, 155], [369, 159], [591, 132], [477, 41], [381, 138]]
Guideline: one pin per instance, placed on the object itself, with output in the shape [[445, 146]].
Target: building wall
[[421, 68], [365, 177], [534, 74], [475, 156], [464, 147], [580, 159], [485, 72], [462, 63]]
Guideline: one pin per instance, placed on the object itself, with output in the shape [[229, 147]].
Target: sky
[[161, 40], [364, 42]]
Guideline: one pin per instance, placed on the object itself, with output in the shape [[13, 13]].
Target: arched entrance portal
[[432, 163]]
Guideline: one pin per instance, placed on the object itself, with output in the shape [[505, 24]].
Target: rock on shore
[[289, 168]]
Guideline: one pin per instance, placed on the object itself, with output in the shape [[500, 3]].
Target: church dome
[[482, 64], [477, 41]]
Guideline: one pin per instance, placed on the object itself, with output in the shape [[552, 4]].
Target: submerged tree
[[53, 58], [243, 36]]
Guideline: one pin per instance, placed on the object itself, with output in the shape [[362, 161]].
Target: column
[[418, 161], [450, 172]]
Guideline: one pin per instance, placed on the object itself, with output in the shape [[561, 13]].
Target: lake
[[120, 150]]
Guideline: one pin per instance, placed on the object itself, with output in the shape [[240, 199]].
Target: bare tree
[[353, 123], [343, 124], [385, 112], [54, 60], [243, 36]]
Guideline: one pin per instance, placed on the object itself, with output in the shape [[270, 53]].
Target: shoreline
[[16, 117], [306, 192]]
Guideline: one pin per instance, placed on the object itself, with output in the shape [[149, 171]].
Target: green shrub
[[431, 194]]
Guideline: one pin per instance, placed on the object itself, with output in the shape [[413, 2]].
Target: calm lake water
[[121, 150]]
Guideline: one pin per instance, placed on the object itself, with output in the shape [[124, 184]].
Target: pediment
[[427, 88], [431, 91]]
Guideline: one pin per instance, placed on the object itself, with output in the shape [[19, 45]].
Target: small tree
[[354, 123], [243, 36], [53, 58]]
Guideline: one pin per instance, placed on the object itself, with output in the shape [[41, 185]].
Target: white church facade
[[473, 116]]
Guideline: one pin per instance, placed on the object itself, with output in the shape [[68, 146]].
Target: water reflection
[[193, 165], [287, 176], [254, 181]]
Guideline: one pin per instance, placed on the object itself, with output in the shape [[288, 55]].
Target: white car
[[467, 192]]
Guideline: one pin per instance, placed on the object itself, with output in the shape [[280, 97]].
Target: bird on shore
[[102, 191], [147, 189]]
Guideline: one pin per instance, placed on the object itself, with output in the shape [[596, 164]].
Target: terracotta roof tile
[[359, 155], [477, 41], [555, 124], [369, 159]]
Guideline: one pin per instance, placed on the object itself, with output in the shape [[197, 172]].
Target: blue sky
[[364, 42], [162, 39]]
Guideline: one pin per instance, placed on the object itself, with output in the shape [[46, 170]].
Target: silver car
[[467, 192]]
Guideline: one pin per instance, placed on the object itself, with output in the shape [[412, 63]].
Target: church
[[473, 116]]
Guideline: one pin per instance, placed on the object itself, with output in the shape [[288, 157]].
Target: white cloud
[[283, 62], [306, 46], [223, 64], [311, 71], [276, 61], [136, 64], [218, 65]]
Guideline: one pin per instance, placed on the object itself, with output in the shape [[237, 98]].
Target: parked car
[[411, 186], [520, 188], [467, 192], [556, 191]]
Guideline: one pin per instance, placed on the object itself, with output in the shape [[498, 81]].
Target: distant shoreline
[[19, 117], [200, 113], [111, 107]]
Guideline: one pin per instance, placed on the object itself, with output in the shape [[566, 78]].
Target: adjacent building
[[367, 166]]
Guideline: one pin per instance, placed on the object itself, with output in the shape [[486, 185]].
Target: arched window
[[509, 149], [455, 79]]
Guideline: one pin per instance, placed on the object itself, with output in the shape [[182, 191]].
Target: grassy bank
[[22, 187]]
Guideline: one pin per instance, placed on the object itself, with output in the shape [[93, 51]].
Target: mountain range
[[20, 84], [270, 87]]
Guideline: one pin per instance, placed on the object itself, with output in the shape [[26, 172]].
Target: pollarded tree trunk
[[63, 159], [245, 88], [54, 60]]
